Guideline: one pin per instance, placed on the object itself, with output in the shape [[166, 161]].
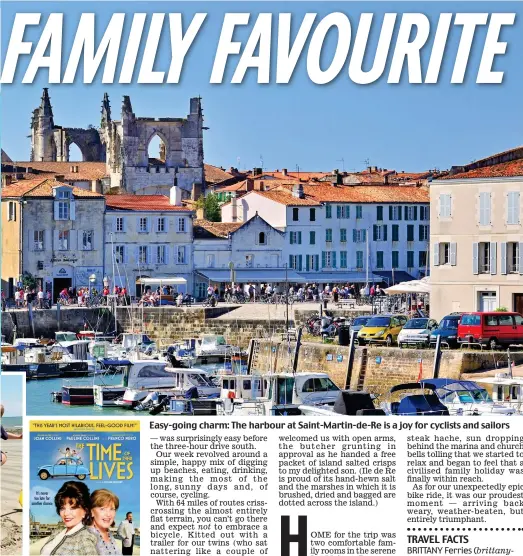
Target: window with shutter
[[343, 259], [395, 232], [359, 260], [395, 259], [379, 259], [410, 232], [453, 248], [379, 213], [484, 209], [328, 211], [513, 207], [445, 203], [312, 238], [410, 259], [435, 259]]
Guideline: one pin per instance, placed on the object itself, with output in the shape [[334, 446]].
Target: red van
[[491, 329]]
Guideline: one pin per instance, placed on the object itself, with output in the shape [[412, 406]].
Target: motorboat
[[40, 361], [183, 381], [276, 394], [465, 397], [507, 391], [128, 344], [62, 336], [78, 393], [413, 398], [348, 403], [209, 348]]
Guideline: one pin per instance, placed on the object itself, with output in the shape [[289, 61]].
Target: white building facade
[[250, 251], [147, 236], [342, 232]]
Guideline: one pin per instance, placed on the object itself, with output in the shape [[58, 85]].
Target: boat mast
[[114, 284], [367, 253]]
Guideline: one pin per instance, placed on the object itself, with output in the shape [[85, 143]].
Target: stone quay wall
[[376, 369]]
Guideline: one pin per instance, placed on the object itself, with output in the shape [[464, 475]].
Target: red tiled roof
[[509, 169], [326, 193], [142, 203], [298, 176], [42, 188], [87, 171], [285, 197], [213, 174], [206, 228]]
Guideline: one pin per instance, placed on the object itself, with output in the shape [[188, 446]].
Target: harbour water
[[39, 400]]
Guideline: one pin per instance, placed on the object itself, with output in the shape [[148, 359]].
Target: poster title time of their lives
[[125, 48]]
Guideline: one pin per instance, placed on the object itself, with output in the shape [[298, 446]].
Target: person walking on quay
[[40, 298], [126, 532]]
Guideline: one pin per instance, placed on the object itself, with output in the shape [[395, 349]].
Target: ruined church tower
[[124, 147], [43, 147], [136, 170]]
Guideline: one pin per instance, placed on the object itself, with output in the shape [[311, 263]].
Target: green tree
[[28, 280], [211, 207]]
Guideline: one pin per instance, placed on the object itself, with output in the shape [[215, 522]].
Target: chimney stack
[[234, 207], [175, 196], [284, 171], [297, 191]]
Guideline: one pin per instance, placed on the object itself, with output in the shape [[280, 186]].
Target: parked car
[[491, 329], [417, 332], [64, 467], [448, 330], [383, 329], [359, 322]]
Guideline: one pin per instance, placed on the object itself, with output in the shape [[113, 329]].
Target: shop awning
[[399, 276], [255, 275], [167, 281], [340, 277]]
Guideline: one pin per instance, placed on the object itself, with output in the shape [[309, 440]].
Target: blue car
[[64, 467], [448, 330]]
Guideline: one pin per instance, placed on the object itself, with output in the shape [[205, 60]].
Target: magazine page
[[84, 477], [262, 278]]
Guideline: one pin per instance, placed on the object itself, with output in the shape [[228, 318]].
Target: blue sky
[[404, 126], [11, 394], [46, 453]]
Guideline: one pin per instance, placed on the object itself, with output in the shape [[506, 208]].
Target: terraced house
[[477, 236], [54, 232], [339, 233], [148, 236]]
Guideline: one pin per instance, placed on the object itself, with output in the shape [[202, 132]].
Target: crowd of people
[[299, 292], [163, 295]]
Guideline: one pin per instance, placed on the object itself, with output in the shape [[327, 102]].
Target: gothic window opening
[[156, 151], [75, 154]]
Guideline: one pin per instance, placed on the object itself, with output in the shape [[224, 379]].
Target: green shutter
[[410, 232], [379, 213], [323, 259], [291, 237], [290, 261], [299, 262], [385, 232], [338, 211], [415, 213], [390, 212], [354, 236], [420, 232], [400, 210], [395, 232], [299, 238], [328, 211], [347, 211], [307, 264], [375, 232], [334, 259], [317, 260]]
